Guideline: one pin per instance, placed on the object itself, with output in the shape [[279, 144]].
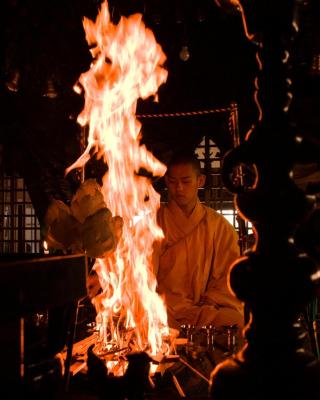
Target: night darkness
[[45, 50]]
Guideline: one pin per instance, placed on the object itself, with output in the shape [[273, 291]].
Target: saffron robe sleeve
[[192, 267]]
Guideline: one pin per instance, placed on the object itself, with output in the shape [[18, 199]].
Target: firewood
[[97, 234], [87, 200], [62, 229], [86, 226]]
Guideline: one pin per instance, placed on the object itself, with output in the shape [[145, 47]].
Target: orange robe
[[192, 265]]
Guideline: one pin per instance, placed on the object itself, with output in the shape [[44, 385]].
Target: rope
[[185, 114]]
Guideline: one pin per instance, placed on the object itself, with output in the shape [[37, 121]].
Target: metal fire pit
[[180, 375]]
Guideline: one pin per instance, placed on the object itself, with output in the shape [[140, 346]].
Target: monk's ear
[[201, 180]]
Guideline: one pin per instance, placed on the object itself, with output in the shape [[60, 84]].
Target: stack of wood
[[86, 226]]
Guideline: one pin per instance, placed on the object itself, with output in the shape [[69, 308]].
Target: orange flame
[[127, 65]]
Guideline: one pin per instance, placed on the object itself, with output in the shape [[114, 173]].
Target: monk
[[193, 261]]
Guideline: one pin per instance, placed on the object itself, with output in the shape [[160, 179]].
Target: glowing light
[[127, 65]]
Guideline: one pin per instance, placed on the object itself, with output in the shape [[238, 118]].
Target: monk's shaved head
[[183, 179], [183, 158]]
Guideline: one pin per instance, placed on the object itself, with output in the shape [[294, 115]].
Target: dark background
[[44, 51]]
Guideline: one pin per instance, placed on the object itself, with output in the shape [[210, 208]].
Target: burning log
[[132, 385], [86, 226]]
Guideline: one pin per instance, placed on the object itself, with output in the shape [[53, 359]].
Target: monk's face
[[183, 182]]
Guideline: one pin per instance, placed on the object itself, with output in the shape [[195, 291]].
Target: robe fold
[[192, 265]]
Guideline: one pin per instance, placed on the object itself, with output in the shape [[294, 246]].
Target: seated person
[[193, 260]]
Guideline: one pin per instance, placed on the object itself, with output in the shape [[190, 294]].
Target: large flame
[[127, 65]]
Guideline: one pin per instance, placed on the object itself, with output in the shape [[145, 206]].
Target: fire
[[127, 65]]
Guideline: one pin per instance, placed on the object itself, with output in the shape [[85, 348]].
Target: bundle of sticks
[[87, 225]]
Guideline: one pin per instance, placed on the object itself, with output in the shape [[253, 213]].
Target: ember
[[127, 65]]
